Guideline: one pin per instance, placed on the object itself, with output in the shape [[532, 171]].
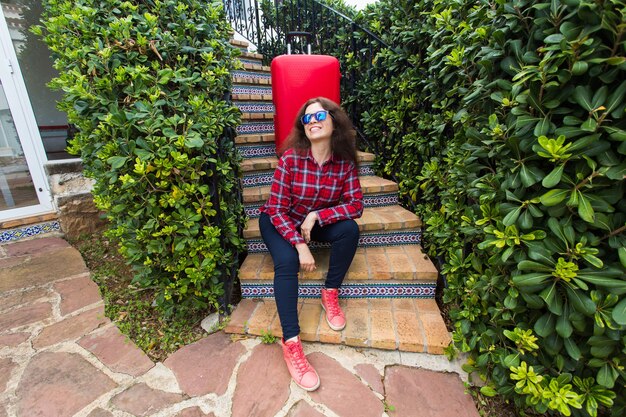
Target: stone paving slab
[[60, 357]]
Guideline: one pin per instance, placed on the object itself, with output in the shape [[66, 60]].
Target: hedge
[[145, 84], [505, 123]]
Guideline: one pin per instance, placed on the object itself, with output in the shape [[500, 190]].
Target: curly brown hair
[[343, 139]]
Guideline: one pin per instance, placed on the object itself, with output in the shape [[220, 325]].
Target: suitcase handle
[[291, 35]]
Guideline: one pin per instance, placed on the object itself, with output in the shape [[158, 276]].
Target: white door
[[24, 189]]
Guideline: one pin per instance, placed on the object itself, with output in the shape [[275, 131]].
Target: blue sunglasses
[[320, 116]]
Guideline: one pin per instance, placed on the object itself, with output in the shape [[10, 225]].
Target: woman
[[315, 195]]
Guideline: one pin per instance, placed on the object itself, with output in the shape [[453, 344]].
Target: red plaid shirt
[[301, 186]]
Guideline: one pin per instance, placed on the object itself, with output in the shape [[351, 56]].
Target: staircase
[[388, 293]]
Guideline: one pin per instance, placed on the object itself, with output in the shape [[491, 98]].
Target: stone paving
[[60, 356]]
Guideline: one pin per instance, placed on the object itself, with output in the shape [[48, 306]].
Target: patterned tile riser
[[347, 290], [365, 240], [246, 107], [250, 74], [13, 235], [252, 210], [255, 128], [257, 151], [249, 61], [258, 180], [244, 89]]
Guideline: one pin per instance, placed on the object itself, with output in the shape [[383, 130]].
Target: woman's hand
[[307, 262], [307, 225]]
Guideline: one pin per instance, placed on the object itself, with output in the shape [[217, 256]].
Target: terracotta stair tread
[[389, 218], [251, 55], [379, 264], [256, 67], [409, 325], [251, 97], [254, 139], [260, 164], [239, 43], [369, 185], [257, 116], [253, 81]]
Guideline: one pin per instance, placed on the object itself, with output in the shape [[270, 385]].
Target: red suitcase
[[297, 78]]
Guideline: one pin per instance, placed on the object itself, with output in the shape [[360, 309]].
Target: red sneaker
[[334, 316], [299, 367]]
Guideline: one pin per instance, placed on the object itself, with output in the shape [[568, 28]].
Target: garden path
[[60, 356]]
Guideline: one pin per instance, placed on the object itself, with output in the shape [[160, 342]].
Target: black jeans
[[343, 237]]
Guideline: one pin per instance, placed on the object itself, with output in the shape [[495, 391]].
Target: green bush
[[144, 82], [512, 113]]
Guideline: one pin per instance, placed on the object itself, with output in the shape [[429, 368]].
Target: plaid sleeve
[[277, 206], [352, 201]]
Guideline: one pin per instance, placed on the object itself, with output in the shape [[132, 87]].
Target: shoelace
[[332, 303], [298, 358]]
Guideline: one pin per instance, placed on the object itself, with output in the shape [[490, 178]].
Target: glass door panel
[[16, 183], [36, 67], [23, 185]]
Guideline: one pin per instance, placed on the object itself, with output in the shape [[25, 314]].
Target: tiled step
[[250, 56], [374, 219], [256, 110], [257, 150], [47, 224], [254, 139], [243, 45], [410, 325], [248, 128], [250, 77], [251, 91], [392, 271]]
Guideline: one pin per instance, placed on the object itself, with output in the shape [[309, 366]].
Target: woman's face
[[318, 130]]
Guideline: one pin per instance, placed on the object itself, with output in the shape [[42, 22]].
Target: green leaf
[[511, 218], [488, 391], [589, 125], [564, 326], [530, 175], [616, 98], [542, 128], [580, 301], [582, 96], [617, 172], [585, 211], [599, 97], [622, 256], [511, 360], [555, 38], [553, 197], [617, 285], [554, 177], [553, 299], [545, 325], [572, 350], [580, 67], [619, 313], [117, 162], [194, 142], [607, 376], [526, 280]]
